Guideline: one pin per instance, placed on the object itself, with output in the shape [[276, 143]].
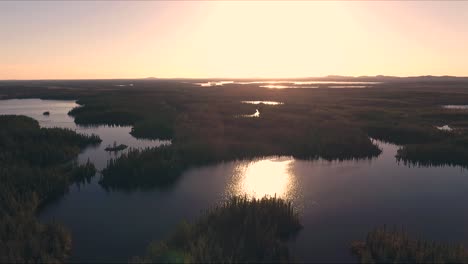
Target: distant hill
[[384, 78]]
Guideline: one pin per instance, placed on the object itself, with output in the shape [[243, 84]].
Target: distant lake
[[338, 201], [262, 102], [457, 107], [294, 84]]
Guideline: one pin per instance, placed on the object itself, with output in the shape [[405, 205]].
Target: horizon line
[[237, 78]]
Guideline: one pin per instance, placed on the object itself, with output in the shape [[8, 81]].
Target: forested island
[[115, 147], [36, 167]]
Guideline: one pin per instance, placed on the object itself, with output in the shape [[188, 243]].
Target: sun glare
[[267, 177], [228, 39]]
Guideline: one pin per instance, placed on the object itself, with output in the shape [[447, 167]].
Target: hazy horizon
[[331, 76], [213, 40]]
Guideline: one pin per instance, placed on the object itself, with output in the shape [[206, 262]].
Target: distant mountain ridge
[[385, 78], [330, 78], [363, 78]]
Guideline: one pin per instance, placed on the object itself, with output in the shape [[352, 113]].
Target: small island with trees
[[115, 147]]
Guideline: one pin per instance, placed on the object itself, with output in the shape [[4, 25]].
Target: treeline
[[240, 230], [155, 128], [146, 168], [450, 151], [153, 120], [422, 144], [36, 167], [22, 139], [384, 245]]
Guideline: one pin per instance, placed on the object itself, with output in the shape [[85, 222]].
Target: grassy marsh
[[239, 230]]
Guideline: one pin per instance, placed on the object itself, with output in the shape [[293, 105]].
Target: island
[[116, 147]]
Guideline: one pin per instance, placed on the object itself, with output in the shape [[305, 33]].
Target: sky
[[204, 39]]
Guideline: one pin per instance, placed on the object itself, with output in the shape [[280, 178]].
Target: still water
[[58, 117], [294, 84], [338, 201], [262, 102], [457, 107]]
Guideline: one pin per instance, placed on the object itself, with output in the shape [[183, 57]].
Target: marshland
[[321, 166], [196, 132]]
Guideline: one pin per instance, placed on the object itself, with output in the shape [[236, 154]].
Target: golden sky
[[73, 40]]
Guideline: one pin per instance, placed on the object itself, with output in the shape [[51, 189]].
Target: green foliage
[[24, 239], [36, 167], [143, 168], [396, 246], [96, 115], [21, 139], [161, 128], [240, 230], [452, 150]]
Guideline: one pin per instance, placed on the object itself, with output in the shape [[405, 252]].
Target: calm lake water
[[294, 84], [262, 102], [338, 201], [59, 117], [457, 107]]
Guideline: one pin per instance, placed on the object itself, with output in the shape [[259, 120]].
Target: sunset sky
[[85, 39]]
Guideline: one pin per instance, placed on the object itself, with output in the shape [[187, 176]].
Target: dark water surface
[[339, 201]]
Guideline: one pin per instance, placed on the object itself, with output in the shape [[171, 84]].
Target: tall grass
[[239, 230], [385, 245]]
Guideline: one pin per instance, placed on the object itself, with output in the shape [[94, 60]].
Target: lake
[[284, 84], [58, 117], [338, 201]]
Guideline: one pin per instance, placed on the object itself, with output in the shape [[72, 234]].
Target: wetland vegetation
[[36, 167], [386, 245], [309, 124], [239, 230], [202, 123]]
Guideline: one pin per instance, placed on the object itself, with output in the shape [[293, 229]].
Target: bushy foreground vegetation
[[385, 245], [240, 230], [36, 167]]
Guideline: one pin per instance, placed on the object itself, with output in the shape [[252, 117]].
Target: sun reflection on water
[[265, 177]]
